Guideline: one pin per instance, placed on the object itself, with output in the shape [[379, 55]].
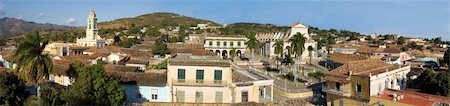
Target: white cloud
[[41, 15], [71, 21], [2, 10]]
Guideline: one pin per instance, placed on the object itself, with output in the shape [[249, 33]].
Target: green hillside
[[154, 19]]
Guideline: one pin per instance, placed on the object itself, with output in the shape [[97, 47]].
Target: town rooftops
[[7, 56], [345, 58], [128, 74], [226, 37], [183, 48], [363, 68], [415, 98], [106, 49], [84, 58], [391, 50], [60, 67], [368, 50], [79, 48], [198, 58]]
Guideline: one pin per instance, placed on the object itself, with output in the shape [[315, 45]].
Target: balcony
[[342, 92], [183, 82]]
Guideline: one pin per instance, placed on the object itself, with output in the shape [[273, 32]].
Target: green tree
[[233, 52], [160, 48], [401, 40], [12, 90], [443, 84], [252, 44], [49, 96], [297, 46], [33, 64], [93, 87], [279, 44], [433, 83]]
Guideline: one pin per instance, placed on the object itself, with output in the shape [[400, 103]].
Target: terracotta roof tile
[[127, 74], [60, 67], [415, 98], [202, 52], [359, 68], [368, 50], [391, 50], [106, 49], [7, 56], [345, 58]]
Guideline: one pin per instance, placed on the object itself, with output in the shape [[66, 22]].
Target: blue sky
[[420, 18]]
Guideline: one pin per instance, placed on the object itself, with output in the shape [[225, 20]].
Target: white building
[[223, 45], [92, 38], [269, 39]]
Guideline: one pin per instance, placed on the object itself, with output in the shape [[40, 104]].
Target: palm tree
[[252, 44], [310, 49], [233, 52], [32, 64], [278, 50], [298, 46]]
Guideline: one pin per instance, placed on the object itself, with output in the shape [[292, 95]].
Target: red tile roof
[[106, 49], [415, 98], [391, 50], [128, 74], [345, 58], [359, 68], [202, 52]]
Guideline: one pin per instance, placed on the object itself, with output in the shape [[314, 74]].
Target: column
[[271, 92]]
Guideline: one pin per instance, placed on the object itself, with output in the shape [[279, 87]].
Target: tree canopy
[[12, 90], [91, 87], [433, 83], [33, 64]]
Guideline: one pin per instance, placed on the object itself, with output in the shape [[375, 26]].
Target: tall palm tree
[[278, 50], [252, 44], [298, 46], [32, 64], [310, 49], [233, 52]]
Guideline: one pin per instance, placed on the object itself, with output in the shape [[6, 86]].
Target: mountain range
[[14, 27]]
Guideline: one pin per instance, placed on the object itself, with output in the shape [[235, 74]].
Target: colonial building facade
[[356, 83], [222, 46], [203, 77], [92, 39], [269, 39]]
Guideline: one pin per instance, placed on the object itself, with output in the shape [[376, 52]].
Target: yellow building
[[356, 82], [203, 77]]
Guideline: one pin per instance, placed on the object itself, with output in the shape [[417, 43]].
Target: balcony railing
[[199, 82], [342, 92]]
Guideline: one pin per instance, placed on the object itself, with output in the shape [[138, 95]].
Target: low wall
[[293, 95], [244, 63]]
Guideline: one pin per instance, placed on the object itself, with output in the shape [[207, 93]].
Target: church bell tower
[[91, 29]]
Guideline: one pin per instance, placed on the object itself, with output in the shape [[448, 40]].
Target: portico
[[223, 46]]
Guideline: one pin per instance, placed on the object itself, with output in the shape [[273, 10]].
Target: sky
[[417, 18]]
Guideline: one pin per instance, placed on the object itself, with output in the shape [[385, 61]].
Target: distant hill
[[243, 28], [155, 19], [14, 27]]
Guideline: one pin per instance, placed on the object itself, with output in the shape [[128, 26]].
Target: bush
[[290, 77], [317, 75], [162, 65]]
